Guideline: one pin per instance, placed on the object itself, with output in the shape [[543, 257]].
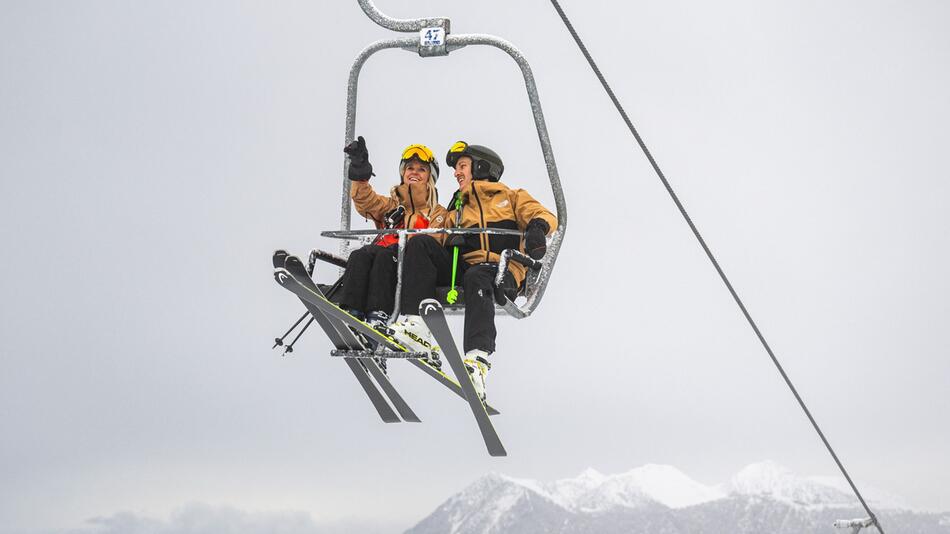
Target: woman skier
[[369, 281]]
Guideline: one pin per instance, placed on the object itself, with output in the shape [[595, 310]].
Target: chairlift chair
[[434, 40], [360, 344]]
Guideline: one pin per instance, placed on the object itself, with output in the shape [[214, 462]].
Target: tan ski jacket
[[414, 198], [494, 205]]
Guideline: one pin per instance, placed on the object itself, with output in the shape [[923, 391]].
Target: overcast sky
[[153, 155]]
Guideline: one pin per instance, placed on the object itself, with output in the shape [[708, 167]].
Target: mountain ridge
[[660, 499]]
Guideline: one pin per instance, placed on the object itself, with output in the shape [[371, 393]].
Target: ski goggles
[[420, 152], [457, 151]]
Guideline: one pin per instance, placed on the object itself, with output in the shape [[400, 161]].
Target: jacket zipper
[[412, 206], [483, 238]]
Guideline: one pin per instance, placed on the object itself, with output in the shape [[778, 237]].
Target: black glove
[[535, 243], [394, 217], [360, 168], [507, 291]]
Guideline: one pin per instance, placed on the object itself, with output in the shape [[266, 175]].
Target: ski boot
[[413, 333], [476, 361]]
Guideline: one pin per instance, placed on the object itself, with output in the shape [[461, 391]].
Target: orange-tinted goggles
[[420, 152]]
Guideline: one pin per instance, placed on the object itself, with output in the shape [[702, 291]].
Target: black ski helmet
[[486, 164]]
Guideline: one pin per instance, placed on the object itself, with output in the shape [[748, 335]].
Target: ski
[[357, 367], [446, 381], [434, 317], [308, 293], [344, 339]]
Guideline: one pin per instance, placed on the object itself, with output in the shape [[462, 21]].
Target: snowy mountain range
[[659, 499]]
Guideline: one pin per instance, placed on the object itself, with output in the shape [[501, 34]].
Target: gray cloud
[[196, 518]]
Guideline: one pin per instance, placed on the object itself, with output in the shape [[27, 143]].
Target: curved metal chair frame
[[434, 40]]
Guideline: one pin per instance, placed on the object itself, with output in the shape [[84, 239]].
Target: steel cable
[[702, 242]]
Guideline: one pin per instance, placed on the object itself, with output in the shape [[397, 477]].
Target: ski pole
[[279, 341], [453, 293], [290, 348]]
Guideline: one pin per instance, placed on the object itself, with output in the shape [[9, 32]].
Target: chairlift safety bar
[[358, 234]]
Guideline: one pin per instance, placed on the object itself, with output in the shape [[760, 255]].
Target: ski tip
[[292, 260], [282, 276], [428, 306], [278, 257]]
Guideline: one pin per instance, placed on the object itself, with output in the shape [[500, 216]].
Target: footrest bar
[[388, 354]]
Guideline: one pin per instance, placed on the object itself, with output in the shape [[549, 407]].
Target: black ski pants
[[369, 281], [425, 265], [479, 283]]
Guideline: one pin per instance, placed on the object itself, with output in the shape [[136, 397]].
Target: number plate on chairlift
[[432, 36]]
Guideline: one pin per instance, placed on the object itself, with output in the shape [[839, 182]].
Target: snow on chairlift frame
[[434, 40]]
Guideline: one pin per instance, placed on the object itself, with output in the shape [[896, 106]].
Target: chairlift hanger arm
[[401, 25]]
